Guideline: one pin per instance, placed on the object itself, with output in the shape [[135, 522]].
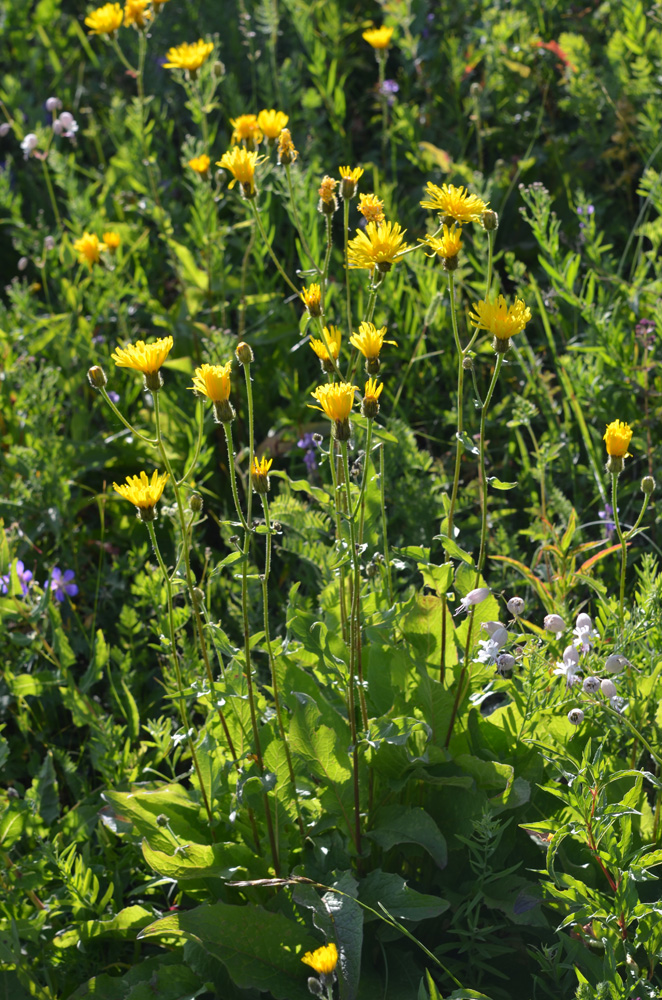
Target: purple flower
[[606, 515], [24, 578], [306, 441], [114, 396], [62, 583], [389, 89], [309, 459]]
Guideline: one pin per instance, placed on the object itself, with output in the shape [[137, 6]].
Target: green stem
[[267, 244], [327, 258], [198, 445], [624, 545], [251, 443], [481, 467], [51, 193], [382, 501], [178, 673], [355, 612], [297, 221], [459, 447], [130, 427], [490, 255], [227, 427], [348, 297], [337, 503]]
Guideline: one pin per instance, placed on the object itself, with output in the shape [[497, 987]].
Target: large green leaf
[[202, 861], [261, 950], [141, 807], [393, 893], [410, 826]]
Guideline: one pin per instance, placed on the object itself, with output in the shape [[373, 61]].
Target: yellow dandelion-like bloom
[[378, 38], [213, 381], [500, 319], [333, 336], [271, 123], [200, 164], [142, 357], [448, 245], [327, 188], [89, 248], [312, 299], [246, 129], [350, 177], [286, 152], [454, 203], [135, 12], [105, 20], [260, 474], [371, 394], [336, 400], [189, 55], [141, 491], [377, 247], [371, 208], [112, 240], [617, 438], [323, 960], [241, 164], [369, 340]]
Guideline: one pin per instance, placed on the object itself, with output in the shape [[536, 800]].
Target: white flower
[[569, 667], [67, 125], [473, 597], [554, 623], [516, 606], [5, 129], [491, 646], [585, 632], [28, 144], [53, 104], [616, 663], [491, 627]]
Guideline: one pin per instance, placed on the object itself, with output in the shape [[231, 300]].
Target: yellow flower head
[[200, 164], [449, 245], [350, 179], [377, 247], [246, 130], [371, 208], [213, 381], [142, 357], [260, 474], [617, 438], [286, 151], [241, 164], [112, 240], [379, 38], [312, 299], [105, 20], [135, 13], [333, 336], [189, 55], [271, 123], [336, 399], [371, 394], [500, 319], [454, 203], [88, 248], [327, 189], [143, 493], [369, 340], [323, 960]]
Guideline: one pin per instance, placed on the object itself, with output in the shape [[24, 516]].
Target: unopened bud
[[218, 69], [244, 353], [516, 606], [505, 664], [608, 688], [162, 820], [575, 716], [195, 502], [616, 663], [467, 363], [591, 685], [224, 411], [554, 623], [199, 596], [647, 485], [97, 377], [5, 129], [22, 263], [489, 220], [315, 987]]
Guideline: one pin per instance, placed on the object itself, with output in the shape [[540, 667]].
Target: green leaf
[[98, 662], [453, 549], [141, 807], [202, 861], [498, 484], [395, 896], [396, 825], [261, 950]]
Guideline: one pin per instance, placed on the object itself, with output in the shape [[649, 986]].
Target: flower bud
[[575, 716], [53, 104], [195, 502], [591, 685], [49, 242], [489, 220], [516, 606], [315, 987], [608, 688], [57, 127], [162, 820], [616, 663], [491, 627], [224, 411], [554, 623], [218, 69], [22, 263], [244, 353], [97, 377], [505, 664], [5, 129], [199, 596], [476, 596], [647, 485]]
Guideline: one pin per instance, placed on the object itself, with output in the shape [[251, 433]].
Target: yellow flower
[[213, 381], [327, 203], [379, 38], [500, 319], [454, 203], [312, 299], [337, 400], [370, 404], [617, 438], [260, 474], [246, 130], [271, 123], [200, 164], [286, 151], [142, 357], [135, 13], [88, 248], [371, 208], [350, 179], [333, 336], [369, 340], [241, 164], [112, 240], [105, 20], [377, 247], [449, 245], [323, 960], [143, 493], [189, 55]]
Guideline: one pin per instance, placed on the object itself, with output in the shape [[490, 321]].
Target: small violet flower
[[607, 515], [308, 443], [61, 583], [23, 575]]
